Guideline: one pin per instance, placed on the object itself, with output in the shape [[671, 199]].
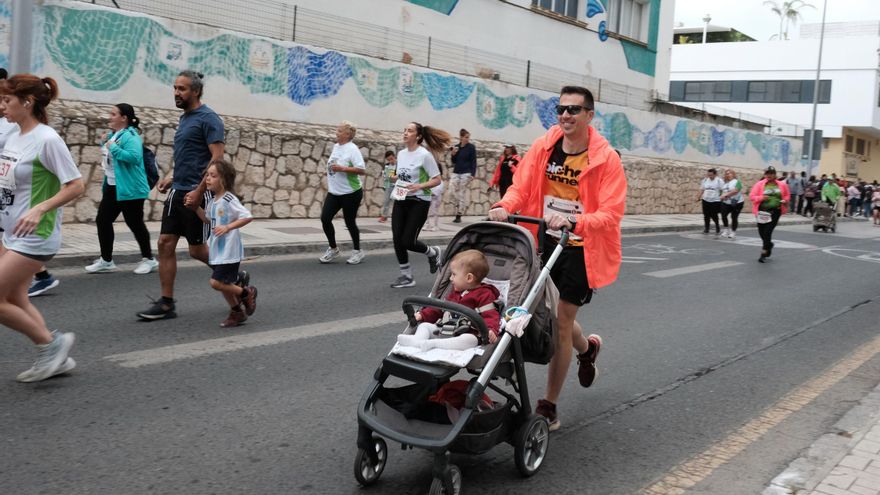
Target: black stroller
[[404, 415]]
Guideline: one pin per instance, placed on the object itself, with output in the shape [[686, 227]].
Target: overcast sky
[[755, 19]]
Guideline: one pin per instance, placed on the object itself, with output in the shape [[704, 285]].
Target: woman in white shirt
[[37, 176], [345, 191], [417, 175], [710, 197], [731, 203]]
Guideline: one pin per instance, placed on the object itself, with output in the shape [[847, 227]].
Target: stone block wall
[[281, 166]]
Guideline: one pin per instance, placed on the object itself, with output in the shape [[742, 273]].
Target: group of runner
[[572, 168]]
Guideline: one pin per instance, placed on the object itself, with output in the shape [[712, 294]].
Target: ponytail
[[436, 140], [28, 87]]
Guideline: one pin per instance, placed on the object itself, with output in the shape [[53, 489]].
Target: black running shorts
[[179, 220], [569, 273]]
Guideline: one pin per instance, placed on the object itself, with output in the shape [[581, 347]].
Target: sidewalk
[[846, 462], [269, 237]]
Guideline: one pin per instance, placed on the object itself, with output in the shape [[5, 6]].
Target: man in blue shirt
[[197, 142]]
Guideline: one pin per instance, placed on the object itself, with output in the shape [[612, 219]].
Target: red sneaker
[[236, 317], [548, 410], [250, 302], [587, 370]]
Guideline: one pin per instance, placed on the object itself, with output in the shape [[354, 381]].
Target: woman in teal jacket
[[124, 191]]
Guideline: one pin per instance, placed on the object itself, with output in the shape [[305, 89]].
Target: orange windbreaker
[[602, 190]]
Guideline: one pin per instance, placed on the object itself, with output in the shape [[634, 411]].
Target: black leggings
[[132, 211], [407, 220], [765, 230], [349, 204], [733, 210], [710, 212]]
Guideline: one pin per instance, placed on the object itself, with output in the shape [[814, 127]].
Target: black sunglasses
[[571, 109]]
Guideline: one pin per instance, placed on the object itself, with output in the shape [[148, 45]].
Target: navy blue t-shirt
[[197, 129]]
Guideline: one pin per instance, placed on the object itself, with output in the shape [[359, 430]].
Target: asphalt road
[[700, 340]]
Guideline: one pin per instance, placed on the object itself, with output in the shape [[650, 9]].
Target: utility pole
[[706, 26], [816, 93], [22, 36]]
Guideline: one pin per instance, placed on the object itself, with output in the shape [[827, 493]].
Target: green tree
[[789, 12]]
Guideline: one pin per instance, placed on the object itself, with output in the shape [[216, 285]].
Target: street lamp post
[[706, 26], [816, 93]]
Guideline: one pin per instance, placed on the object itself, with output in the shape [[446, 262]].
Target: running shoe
[[356, 257], [158, 311], [40, 286], [236, 317], [101, 266], [548, 410], [50, 357], [587, 371], [433, 259], [403, 281], [65, 367], [147, 265], [330, 255], [250, 302]]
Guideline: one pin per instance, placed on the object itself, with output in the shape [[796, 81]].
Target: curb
[[807, 472]]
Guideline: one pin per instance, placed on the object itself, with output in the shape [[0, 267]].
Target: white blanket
[[439, 356]]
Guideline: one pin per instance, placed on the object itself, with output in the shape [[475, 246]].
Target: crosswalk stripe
[[201, 348], [692, 269]]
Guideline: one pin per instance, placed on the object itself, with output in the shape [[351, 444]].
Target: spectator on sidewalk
[[710, 198], [867, 191], [464, 168], [586, 176], [433, 222], [42, 177], [199, 140], [853, 199], [875, 201], [731, 203], [417, 174], [503, 176], [770, 199], [124, 190], [389, 177], [345, 191], [831, 193], [811, 191], [796, 188]]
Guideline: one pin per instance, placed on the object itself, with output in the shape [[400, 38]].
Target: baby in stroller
[[468, 269]]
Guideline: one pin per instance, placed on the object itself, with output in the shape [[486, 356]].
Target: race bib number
[[8, 161], [565, 208], [400, 191], [764, 217]]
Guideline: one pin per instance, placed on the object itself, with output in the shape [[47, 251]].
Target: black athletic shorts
[[179, 220], [569, 273], [227, 273]]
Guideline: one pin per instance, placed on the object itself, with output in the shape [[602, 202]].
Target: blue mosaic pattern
[[445, 92], [594, 7], [311, 75], [546, 110]]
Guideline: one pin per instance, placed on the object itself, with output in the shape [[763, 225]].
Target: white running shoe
[[101, 266], [50, 358], [732, 235], [356, 257], [65, 367], [147, 265], [330, 255]]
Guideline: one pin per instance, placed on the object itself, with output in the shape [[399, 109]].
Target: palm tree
[[789, 12]]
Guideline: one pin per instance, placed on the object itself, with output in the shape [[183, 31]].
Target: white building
[[775, 79]]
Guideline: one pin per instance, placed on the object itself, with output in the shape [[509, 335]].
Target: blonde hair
[[352, 130], [473, 261]]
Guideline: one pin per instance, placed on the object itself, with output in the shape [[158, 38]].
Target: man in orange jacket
[[573, 179]]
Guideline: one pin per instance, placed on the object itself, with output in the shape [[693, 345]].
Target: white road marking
[[232, 343], [644, 258], [692, 269], [855, 254]]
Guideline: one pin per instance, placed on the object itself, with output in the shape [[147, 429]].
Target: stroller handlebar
[[475, 318], [542, 229]]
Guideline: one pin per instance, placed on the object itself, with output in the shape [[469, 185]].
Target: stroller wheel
[[449, 485], [366, 472], [815, 228], [530, 444]]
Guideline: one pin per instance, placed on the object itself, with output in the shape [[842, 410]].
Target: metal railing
[[289, 22]]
